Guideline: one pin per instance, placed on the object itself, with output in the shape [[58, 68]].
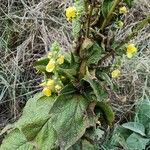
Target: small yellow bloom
[[47, 92], [115, 73], [70, 12], [122, 10], [131, 50], [58, 87], [50, 66], [60, 60], [50, 83], [50, 54], [120, 24]]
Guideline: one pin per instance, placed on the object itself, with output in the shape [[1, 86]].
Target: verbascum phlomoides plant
[[74, 104]]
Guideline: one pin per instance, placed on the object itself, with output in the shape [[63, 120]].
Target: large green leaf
[[71, 119], [136, 142], [16, 140], [100, 93], [135, 127], [35, 115], [46, 139]]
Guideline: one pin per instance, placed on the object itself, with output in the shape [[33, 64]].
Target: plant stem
[[135, 30], [110, 14], [89, 21]]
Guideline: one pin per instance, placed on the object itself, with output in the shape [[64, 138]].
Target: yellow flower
[[70, 12], [122, 10], [47, 92], [58, 87], [120, 24], [115, 73], [131, 50], [50, 66], [50, 54], [50, 83], [60, 60]]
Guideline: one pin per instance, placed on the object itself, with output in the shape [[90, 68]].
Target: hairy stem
[[89, 20]]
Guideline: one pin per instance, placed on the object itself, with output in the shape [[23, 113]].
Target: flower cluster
[[53, 84], [122, 10]]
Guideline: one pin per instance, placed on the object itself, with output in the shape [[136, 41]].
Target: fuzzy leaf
[[94, 54], [15, 140], [71, 121], [135, 127], [98, 90], [76, 27], [143, 111], [136, 142], [107, 111], [35, 115], [107, 4]]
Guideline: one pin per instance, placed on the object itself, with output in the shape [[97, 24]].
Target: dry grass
[[27, 29]]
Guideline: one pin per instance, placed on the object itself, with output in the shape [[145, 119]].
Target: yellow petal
[[122, 10], [70, 12], [115, 73], [131, 48], [47, 92], [50, 66], [58, 87], [60, 60]]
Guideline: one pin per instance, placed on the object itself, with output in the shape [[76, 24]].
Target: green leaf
[[35, 115], [107, 111], [76, 27], [41, 64], [15, 140], [70, 117], [107, 79], [136, 142], [68, 89], [94, 54], [143, 111], [88, 146], [135, 127], [98, 90], [47, 137], [107, 4]]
